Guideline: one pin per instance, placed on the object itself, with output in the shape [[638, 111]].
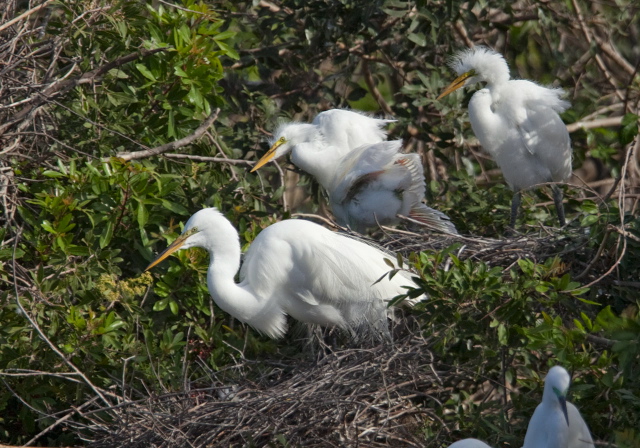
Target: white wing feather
[[348, 129], [317, 272]]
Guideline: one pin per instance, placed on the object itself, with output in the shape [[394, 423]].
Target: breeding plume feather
[[517, 123], [295, 268]]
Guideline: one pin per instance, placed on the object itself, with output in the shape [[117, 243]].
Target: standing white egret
[[369, 182], [517, 123], [556, 423], [293, 267], [469, 443]]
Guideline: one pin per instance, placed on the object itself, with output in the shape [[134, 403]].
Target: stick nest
[[377, 396]]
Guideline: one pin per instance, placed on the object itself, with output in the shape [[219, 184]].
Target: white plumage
[[517, 123], [368, 180], [469, 443], [296, 268], [556, 423]]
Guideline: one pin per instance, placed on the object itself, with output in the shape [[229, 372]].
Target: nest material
[[378, 396], [572, 246]]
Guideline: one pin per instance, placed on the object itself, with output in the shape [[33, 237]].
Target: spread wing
[[362, 165], [348, 129]]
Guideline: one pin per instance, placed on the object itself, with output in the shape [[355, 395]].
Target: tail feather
[[432, 218]]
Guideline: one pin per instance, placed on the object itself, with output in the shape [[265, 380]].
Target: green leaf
[[175, 207], [52, 174], [146, 72], [418, 38], [229, 50], [224, 35], [629, 129], [161, 305], [46, 225], [143, 215], [588, 220], [173, 306], [107, 234]]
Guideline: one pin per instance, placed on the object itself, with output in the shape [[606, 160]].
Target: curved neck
[[483, 119], [317, 159], [224, 263]]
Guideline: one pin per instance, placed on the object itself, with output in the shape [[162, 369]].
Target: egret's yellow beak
[[457, 83], [270, 154], [177, 244]]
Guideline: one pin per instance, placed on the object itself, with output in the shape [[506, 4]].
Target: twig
[[36, 327], [62, 86], [608, 49], [600, 340], [24, 14], [327, 221], [64, 418], [180, 7], [211, 159], [599, 123], [599, 61], [462, 32], [373, 89], [172, 145]]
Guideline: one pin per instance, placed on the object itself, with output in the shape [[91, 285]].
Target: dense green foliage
[[83, 214]]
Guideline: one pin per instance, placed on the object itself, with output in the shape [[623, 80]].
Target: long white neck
[[317, 159], [224, 253], [484, 121]]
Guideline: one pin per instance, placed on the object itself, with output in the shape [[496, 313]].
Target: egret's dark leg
[[515, 205], [557, 199]]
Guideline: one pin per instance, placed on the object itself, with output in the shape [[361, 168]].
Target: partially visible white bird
[[556, 423], [294, 267], [469, 443], [368, 180], [517, 123]]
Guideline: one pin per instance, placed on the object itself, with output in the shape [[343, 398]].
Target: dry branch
[[211, 159], [175, 144], [599, 123], [25, 14], [59, 87]]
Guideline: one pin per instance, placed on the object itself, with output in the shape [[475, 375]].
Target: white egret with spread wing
[[296, 268], [368, 180], [556, 423], [517, 123]]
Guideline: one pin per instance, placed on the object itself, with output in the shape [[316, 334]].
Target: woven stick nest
[[376, 396]]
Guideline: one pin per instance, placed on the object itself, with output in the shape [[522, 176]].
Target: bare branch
[[599, 123], [373, 89], [58, 87], [211, 159], [172, 145], [24, 15]]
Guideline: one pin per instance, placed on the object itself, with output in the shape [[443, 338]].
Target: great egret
[[369, 182], [469, 443], [517, 123], [556, 422], [293, 267]]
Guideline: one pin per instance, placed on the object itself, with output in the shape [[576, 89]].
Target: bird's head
[[478, 64], [195, 234], [287, 136], [556, 387]]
